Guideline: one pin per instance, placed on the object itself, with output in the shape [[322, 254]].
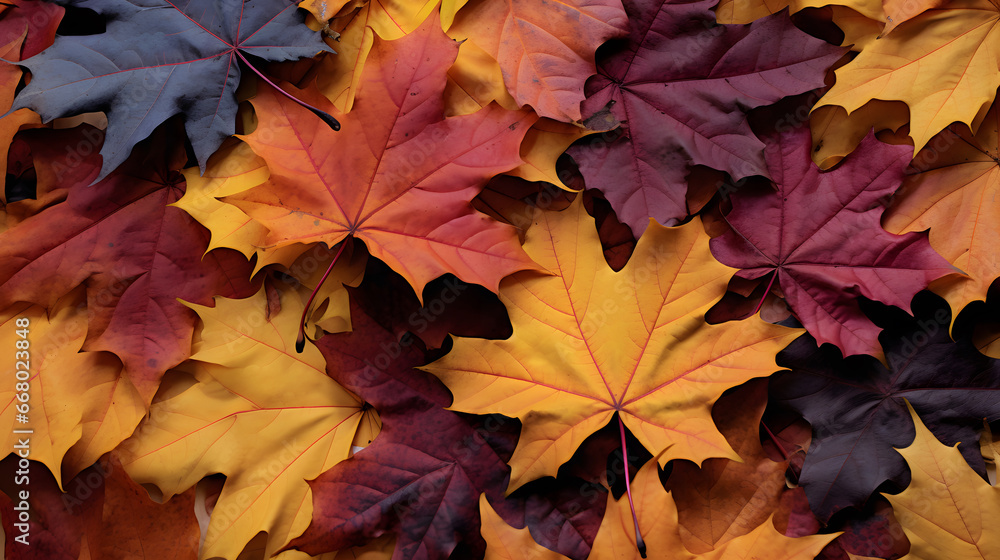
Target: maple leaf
[[725, 499], [545, 50], [929, 62], [132, 286], [189, 65], [657, 514], [819, 239], [856, 409], [236, 168], [951, 191], [398, 176], [256, 411], [946, 508], [420, 478], [681, 86], [101, 514], [589, 342], [82, 404]]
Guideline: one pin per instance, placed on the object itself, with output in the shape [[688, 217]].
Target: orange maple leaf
[[398, 176]]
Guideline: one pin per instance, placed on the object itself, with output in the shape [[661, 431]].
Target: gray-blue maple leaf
[[160, 58]]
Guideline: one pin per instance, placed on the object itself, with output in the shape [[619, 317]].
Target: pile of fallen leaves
[[513, 279]]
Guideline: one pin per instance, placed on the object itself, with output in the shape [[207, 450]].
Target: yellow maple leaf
[[947, 511], [942, 63], [255, 410], [589, 342], [78, 405]]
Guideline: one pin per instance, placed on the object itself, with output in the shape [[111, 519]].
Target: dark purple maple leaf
[[422, 476], [856, 405], [819, 233], [159, 58], [681, 86]]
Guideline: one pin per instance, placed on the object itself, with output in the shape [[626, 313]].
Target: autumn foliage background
[[732, 258]]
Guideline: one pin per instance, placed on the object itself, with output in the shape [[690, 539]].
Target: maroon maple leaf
[[681, 86], [818, 238]]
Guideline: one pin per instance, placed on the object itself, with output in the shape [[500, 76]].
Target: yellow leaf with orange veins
[[545, 141], [836, 134], [589, 342], [954, 193], [545, 49], [78, 405], [942, 63], [252, 408], [947, 511], [233, 169], [474, 81]]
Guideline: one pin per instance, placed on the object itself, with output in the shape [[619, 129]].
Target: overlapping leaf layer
[[504, 279]]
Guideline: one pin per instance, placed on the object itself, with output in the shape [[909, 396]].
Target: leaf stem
[[770, 434], [300, 340], [639, 543], [767, 291], [781, 449], [327, 117]]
